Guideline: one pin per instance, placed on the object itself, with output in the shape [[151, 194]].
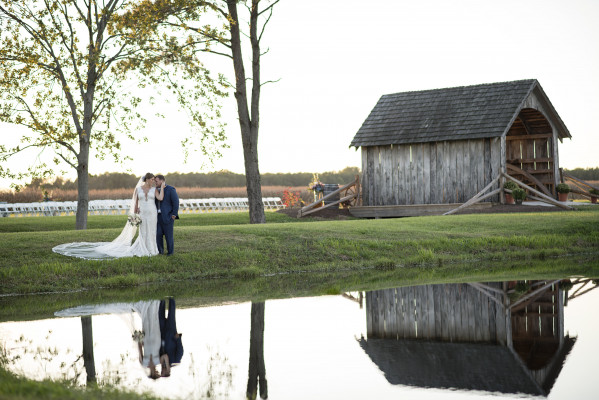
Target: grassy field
[[224, 246]]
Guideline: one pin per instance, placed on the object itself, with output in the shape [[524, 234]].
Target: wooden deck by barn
[[411, 210]]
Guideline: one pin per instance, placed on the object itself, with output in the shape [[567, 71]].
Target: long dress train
[[144, 245]]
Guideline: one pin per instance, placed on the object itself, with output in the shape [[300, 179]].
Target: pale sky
[[335, 58]]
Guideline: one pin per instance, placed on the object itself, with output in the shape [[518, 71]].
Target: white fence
[[115, 207]]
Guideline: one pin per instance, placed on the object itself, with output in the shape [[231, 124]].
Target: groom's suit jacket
[[173, 345], [169, 205]]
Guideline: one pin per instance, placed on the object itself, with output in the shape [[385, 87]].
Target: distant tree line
[[119, 180], [586, 174]]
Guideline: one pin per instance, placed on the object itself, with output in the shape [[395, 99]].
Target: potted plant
[[562, 191], [594, 194], [519, 194], [509, 199]]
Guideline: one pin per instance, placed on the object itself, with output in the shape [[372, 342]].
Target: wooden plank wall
[[448, 312], [429, 173]]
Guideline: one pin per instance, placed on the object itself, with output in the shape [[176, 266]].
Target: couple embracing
[[158, 206], [158, 342], [154, 208]]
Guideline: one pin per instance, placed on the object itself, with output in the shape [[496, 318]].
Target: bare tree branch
[[269, 7], [275, 81], [267, 19]]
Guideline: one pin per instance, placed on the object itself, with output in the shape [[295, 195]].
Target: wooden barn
[[446, 145]]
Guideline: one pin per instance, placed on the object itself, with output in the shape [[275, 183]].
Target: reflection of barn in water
[[469, 336]]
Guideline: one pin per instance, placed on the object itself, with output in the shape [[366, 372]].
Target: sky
[[334, 59]]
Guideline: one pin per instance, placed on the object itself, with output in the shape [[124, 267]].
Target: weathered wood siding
[[449, 312], [429, 173]]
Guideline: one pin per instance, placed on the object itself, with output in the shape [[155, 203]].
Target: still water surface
[[450, 341]]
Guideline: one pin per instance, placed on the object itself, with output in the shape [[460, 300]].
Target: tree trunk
[[82, 185], [257, 368], [254, 187], [88, 349], [249, 125], [85, 134]]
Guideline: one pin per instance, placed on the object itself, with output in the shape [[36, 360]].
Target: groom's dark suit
[[171, 339], [168, 207]]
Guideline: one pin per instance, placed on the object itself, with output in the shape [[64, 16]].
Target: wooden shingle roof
[[466, 112], [469, 366]]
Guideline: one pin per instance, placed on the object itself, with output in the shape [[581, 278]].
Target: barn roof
[[466, 112], [469, 366]]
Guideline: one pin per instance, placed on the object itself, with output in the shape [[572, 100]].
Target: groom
[[171, 343], [168, 212]]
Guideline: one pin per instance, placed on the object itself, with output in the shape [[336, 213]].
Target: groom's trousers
[[165, 230]]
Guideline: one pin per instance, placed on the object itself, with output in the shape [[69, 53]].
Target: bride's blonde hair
[[149, 175]]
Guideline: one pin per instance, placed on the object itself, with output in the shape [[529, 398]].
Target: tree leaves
[[70, 71]]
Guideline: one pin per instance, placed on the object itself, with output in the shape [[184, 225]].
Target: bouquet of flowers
[[134, 220], [138, 336]]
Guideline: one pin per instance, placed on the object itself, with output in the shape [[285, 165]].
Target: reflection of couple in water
[[159, 343]]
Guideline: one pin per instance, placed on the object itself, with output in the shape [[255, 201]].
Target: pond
[[444, 341]]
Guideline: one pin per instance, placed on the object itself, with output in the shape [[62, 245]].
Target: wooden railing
[[533, 193], [580, 187]]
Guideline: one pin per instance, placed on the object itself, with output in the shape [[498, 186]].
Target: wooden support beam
[[528, 137], [530, 160], [490, 295], [575, 179], [543, 196], [477, 197], [578, 186], [524, 300], [358, 198], [582, 192], [474, 201], [341, 200], [537, 182], [526, 127]]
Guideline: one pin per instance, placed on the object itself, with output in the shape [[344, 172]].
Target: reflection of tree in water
[[257, 369], [111, 374], [88, 349]]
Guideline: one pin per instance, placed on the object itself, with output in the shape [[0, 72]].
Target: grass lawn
[[225, 246]]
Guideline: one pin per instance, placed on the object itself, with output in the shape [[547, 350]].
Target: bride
[[142, 203]]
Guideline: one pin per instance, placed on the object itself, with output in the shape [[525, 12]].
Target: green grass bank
[[226, 247]]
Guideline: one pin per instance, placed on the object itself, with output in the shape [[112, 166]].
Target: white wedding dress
[[147, 310], [144, 245]]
